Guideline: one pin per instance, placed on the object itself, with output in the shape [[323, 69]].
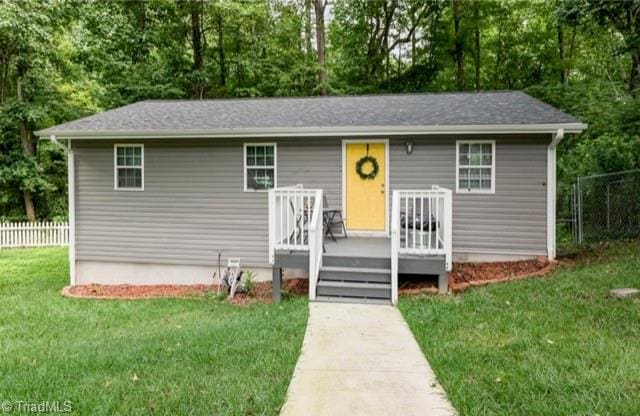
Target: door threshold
[[373, 234]]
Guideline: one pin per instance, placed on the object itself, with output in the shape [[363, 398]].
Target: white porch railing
[[34, 234], [295, 224], [421, 224], [316, 235]]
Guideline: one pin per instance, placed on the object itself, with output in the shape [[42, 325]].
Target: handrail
[[316, 234], [421, 224], [290, 210], [295, 224]]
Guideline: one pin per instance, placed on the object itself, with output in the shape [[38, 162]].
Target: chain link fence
[[601, 207]]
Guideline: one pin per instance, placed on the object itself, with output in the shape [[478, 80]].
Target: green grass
[[188, 356], [555, 346]]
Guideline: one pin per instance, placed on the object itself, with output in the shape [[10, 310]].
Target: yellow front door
[[365, 197]]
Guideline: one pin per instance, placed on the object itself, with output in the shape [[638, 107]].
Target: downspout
[[551, 193], [71, 191]]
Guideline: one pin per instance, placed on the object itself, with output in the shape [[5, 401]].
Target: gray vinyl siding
[[513, 220], [194, 204]]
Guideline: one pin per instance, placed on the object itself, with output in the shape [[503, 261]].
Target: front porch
[[363, 269]]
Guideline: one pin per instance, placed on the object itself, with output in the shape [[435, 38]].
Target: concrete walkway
[[362, 360]]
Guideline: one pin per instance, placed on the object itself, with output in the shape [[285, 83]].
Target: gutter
[[559, 135], [55, 141], [346, 131]]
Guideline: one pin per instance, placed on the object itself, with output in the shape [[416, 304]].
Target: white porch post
[[551, 194], [71, 181], [272, 225]]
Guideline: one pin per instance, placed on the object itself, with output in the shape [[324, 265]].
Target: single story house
[[157, 188]]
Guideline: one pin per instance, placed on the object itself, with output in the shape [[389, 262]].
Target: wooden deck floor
[[359, 247]]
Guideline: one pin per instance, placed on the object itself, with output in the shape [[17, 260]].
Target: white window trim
[[115, 166], [493, 167], [275, 165]]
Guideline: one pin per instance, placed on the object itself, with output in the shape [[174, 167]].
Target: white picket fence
[[33, 234]]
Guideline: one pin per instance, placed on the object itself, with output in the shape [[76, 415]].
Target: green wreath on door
[[367, 167]]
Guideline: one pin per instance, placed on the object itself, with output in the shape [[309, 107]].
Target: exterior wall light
[[409, 145]]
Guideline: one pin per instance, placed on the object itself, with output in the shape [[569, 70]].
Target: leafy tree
[[62, 59]]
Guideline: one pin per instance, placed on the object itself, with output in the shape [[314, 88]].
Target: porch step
[[355, 274], [346, 299], [354, 289], [329, 260]]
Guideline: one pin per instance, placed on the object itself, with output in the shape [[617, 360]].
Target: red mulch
[[472, 272], [462, 276], [140, 291], [261, 291]]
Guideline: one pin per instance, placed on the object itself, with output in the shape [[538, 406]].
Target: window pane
[[463, 159], [485, 173], [485, 184], [137, 178], [486, 148], [129, 156], [260, 178], [464, 148], [486, 159], [464, 174], [476, 159], [130, 178], [260, 155], [474, 183], [463, 183], [475, 148]]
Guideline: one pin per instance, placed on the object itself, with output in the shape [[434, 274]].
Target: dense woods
[[60, 60]]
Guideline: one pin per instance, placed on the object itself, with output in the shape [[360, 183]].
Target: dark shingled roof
[[401, 110]]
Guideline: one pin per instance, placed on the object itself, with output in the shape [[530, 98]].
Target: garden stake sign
[[367, 167]]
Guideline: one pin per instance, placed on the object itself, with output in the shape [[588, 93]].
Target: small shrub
[[248, 281]]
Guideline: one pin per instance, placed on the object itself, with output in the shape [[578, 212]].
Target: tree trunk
[[221, 57], [196, 44], [563, 75], [458, 51], [572, 46], [28, 145], [496, 76], [140, 53], [413, 49], [3, 79], [319, 6], [476, 38], [634, 79], [307, 26]]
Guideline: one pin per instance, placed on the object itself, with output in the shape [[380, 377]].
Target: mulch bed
[[464, 275], [261, 291]]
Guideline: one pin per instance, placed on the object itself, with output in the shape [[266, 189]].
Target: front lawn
[[555, 346], [161, 356]]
